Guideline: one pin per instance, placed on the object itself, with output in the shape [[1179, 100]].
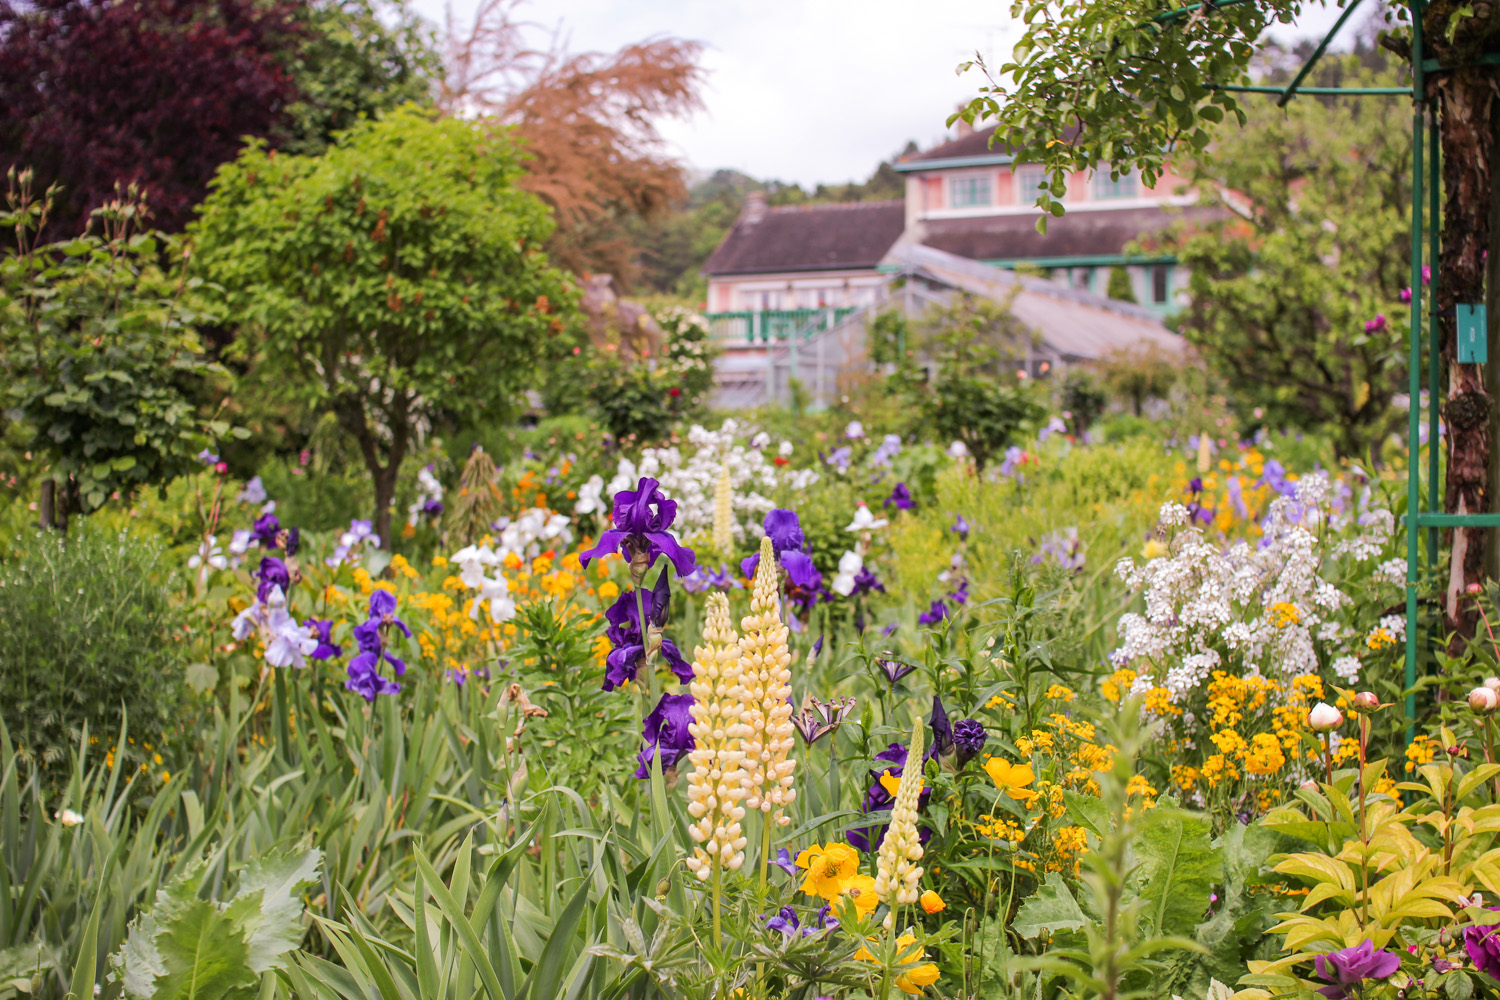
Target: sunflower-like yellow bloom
[[724, 512], [764, 674], [716, 783], [897, 874]]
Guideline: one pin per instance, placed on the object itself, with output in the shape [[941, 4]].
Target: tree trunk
[[1466, 137], [385, 495]]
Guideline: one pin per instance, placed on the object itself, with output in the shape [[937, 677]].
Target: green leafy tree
[[394, 281], [99, 349], [1296, 301], [1137, 373], [1118, 87], [1119, 286]]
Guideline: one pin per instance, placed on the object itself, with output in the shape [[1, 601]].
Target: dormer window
[[1125, 186], [970, 190]]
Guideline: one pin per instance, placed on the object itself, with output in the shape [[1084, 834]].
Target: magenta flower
[[1483, 946], [1375, 325], [641, 518], [1406, 295], [1349, 967]]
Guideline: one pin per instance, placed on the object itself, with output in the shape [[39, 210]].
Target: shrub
[[87, 637]]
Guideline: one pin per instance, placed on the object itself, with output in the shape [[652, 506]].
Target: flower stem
[[648, 663], [718, 903]]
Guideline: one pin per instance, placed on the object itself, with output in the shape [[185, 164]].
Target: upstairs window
[[1127, 186], [1029, 179], [969, 191]]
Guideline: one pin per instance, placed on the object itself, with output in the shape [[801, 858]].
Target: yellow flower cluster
[[1237, 705]]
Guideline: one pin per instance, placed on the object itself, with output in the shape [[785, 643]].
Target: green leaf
[[275, 927], [1176, 871], [202, 956], [1050, 910]]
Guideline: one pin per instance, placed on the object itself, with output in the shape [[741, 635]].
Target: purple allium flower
[[934, 614], [901, 497], [641, 519], [1483, 946], [327, 648], [1349, 967], [1375, 325], [970, 737], [942, 730], [272, 574], [666, 733], [893, 670], [960, 528], [267, 526]]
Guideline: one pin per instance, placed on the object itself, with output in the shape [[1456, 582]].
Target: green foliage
[[1138, 373], [1296, 305], [1119, 286], [189, 948], [394, 280], [99, 348], [888, 337], [1082, 399], [640, 400], [89, 638], [357, 59]]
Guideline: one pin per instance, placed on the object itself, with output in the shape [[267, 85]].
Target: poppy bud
[[1366, 701], [1483, 700]]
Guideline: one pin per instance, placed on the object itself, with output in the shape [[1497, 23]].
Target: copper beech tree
[[587, 122]]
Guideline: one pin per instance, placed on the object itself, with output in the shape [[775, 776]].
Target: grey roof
[[1074, 323], [827, 237]]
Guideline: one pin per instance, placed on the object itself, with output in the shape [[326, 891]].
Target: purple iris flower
[[364, 669], [628, 639], [877, 800], [890, 629], [960, 528], [785, 863], [841, 457], [666, 733], [934, 614], [1483, 946], [265, 530], [960, 594], [327, 648], [942, 730], [1347, 968], [969, 736], [801, 574], [786, 922], [433, 508], [272, 574], [641, 518], [901, 497], [894, 670], [785, 532]]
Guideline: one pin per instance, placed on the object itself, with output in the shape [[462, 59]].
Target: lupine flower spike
[[764, 659], [724, 512], [898, 875], [715, 787]]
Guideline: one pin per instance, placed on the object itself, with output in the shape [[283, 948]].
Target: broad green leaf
[[1050, 910]]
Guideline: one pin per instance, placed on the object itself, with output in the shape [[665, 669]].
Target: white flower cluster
[[693, 480], [1261, 608], [523, 537]]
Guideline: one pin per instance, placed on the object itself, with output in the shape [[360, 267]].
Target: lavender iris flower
[[901, 497], [666, 733], [890, 446], [327, 648], [960, 528], [786, 922], [641, 519], [969, 736], [785, 863], [272, 574], [1347, 968]]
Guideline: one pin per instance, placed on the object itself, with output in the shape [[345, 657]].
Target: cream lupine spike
[[896, 870], [716, 784], [724, 512], [764, 658]]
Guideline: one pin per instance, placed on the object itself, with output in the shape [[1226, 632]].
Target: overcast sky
[[806, 90]]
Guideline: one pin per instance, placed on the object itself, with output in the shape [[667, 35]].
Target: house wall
[[794, 290], [955, 192]]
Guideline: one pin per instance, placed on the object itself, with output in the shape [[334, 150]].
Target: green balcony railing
[[774, 324]]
